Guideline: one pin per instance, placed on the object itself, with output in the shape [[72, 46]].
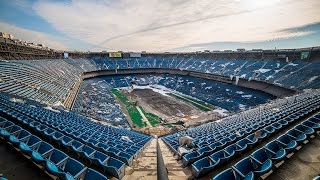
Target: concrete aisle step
[[145, 167], [174, 167]]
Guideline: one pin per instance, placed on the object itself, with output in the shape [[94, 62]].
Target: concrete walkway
[[174, 167], [145, 167]]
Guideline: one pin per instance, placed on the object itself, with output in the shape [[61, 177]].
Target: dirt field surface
[[163, 106]]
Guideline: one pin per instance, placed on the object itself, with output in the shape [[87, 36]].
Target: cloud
[[313, 27], [160, 25], [34, 36]]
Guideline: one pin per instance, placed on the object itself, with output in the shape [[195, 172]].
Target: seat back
[[261, 155], [295, 133], [33, 140], [50, 130], [87, 149], [102, 157], [14, 129], [57, 156], [115, 163], [66, 139], [73, 166], [23, 134], [231, 148], [284, 139], [274, 146], [7, 124], [94, 175], [242, 143], [204, 149], [227, 174], [217, 155], [45, 147], [245, 166], [76, 144]]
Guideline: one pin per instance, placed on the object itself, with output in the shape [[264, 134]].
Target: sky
[[163, 25]]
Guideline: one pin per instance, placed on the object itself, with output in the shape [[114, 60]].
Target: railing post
[[162, 172]]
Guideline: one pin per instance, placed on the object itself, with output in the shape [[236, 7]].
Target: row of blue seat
[[81, 128], [207, 164], [266, 129], [54, 161], [45, 81], [109, 164], [262, 160], [273, 71]]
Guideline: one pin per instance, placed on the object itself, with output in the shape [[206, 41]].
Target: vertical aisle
[[174, 167], [145, 167]]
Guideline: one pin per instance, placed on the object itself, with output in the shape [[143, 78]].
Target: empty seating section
[[46, 81], [96, 93], [264, 159], [53, 161], [107, 147], [216, 143], [296, 74]]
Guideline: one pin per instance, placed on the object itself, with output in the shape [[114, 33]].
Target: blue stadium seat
[[287, 142], [269, 129], [203, 166], [27, 143], [71, 167], [277, 151], [19, 136], [41, 151], [230, 174], [65, 141], [49, 132], [262, 155], [276, 126], [76, 145], [86, 151], [243, 144], [247, 165], [189, 158], [55, 159], [311, 124], [220, 156], [252, 139], [92, 174], [114, 167], [297, 135], [233, 149], [305, 129]]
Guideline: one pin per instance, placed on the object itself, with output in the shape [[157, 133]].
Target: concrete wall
[[269, 88]]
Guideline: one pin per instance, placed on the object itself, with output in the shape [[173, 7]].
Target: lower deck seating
[[105, 147], [53, 161], [264, 159], [217, 143]]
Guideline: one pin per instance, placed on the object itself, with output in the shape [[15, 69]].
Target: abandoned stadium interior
[[251, 114]]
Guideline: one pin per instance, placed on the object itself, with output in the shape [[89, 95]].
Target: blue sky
[[163, 25]]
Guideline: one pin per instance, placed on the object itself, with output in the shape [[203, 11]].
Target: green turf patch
[[133, 112], [197, 103], [152, 118]]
